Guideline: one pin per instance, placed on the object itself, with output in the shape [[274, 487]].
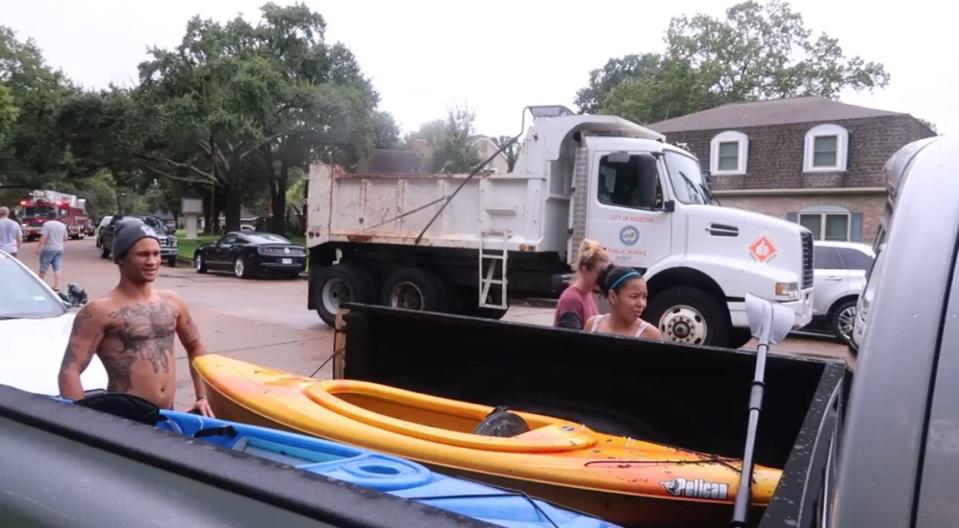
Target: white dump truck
[[469, 243]]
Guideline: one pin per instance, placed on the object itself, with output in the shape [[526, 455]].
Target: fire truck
[[35, 210]]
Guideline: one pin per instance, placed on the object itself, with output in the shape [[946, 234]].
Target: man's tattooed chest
[[145, 332]]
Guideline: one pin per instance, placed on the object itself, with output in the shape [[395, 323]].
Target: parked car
[[168, 241], [35, 325], [251, 254], [840, 274], [102, 226]]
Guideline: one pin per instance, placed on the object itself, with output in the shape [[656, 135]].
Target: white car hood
[[31, 351]]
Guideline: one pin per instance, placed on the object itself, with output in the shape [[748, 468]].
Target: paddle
[[769, 323]]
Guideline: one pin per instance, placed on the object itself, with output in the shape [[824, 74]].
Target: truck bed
[[394, 209], [694, 397]]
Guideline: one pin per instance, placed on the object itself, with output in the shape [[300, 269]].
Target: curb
[[189, 263]]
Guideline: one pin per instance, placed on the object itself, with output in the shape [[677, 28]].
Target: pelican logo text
[[699, 488], [629, 235]]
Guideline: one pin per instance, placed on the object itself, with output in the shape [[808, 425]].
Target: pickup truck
[[64, 465], [870, 442], [690, 396]]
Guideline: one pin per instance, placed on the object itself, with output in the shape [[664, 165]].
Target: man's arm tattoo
[[82, 317], [72, 355], [190, 335]]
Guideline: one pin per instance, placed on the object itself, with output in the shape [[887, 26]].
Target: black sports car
[[250, 254]]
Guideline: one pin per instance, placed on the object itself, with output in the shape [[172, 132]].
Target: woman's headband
[[624, 277]]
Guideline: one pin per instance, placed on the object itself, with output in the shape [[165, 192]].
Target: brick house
[[807, 159]]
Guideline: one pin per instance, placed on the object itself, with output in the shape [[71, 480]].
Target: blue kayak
[[384, 473]]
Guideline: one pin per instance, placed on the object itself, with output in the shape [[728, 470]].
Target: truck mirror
[[75, 295]]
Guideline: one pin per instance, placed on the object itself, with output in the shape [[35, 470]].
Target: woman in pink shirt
[[578, 302]]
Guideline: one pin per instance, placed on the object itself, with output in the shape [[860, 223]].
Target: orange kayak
[[623, 480]]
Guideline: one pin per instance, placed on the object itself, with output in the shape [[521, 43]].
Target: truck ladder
[[489, 279]]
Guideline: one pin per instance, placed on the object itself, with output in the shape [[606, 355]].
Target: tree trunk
[[278, 200], [232, 210], [208, 214]]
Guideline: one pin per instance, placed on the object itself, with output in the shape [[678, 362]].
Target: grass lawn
[[188, 247]]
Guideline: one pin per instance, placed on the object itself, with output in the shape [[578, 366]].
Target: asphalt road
[[266, 320]]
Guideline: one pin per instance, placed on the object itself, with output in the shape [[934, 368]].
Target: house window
[[826, 149], [729, 156], [728, 152], [827, 226]]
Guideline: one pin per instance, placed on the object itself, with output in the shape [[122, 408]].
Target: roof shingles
[[764, 113]]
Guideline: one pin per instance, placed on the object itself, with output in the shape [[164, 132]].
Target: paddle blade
[[769, 321]]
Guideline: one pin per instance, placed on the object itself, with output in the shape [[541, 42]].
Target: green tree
[[100, 130], [386, 134], [449, 147], [32, 152], [100, 194], [671, 89], [511, 152], [616, 71], [315, 104], [8, 114], [762, 51], [99, 191], [195, 121], [238, 105], [296, 197], [758, 51], [454, 152]]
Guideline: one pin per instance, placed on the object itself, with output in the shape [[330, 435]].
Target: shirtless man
[[131, 329]]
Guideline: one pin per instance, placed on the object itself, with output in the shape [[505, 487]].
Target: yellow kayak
[[623, 480]]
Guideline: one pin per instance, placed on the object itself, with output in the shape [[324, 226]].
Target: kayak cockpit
[[441, 420]]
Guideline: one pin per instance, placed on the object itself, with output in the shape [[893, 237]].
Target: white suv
[[840, 275]]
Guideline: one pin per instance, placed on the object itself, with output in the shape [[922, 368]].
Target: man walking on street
[[11, 237], [52, 237]]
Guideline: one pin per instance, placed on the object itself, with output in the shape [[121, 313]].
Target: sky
[[495, 57]]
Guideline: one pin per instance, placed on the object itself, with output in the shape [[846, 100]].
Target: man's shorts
[[51, 258]]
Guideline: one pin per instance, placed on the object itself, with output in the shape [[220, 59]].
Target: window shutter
[[793, 217], [855, 232]]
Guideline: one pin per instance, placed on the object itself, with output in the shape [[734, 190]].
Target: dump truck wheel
[[340, 284], [689, 316], [415, 289]]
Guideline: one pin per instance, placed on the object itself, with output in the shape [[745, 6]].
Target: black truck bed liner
[[694, 397]]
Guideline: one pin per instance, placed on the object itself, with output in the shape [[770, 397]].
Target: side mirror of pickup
[[669, 206], [75, 296]]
